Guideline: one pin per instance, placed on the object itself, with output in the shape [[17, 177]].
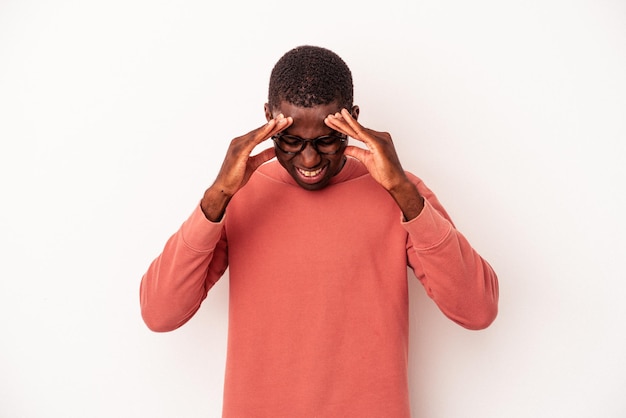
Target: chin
[[313, 186]]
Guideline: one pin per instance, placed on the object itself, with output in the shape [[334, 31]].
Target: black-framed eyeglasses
[[326, 144]]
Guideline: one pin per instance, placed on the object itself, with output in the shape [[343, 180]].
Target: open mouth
[[311, 176], [310, 173]]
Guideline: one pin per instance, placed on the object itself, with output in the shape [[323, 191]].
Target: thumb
[[356, 152], [262, 157]]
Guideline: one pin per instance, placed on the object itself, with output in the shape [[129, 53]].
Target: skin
[[309, 123], [381, 160], [380, 157]]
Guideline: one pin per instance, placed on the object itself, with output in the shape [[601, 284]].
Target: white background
[[115, 116]]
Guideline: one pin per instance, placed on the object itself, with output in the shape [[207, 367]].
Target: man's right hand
[[239, 165]]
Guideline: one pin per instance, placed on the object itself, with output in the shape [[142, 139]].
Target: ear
[[268, 112], [355, 112]]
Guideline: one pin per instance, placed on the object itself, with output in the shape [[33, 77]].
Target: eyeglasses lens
[[328, 144]]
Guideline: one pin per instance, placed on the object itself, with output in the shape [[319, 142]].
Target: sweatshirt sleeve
[[454, 275], [178, 280]]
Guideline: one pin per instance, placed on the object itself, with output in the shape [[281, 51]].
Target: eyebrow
[[332, 132]]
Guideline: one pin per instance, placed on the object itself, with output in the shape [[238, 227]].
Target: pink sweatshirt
[[318, 309]]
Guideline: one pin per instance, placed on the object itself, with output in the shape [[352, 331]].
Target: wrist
[[214, 202], [408, 199]]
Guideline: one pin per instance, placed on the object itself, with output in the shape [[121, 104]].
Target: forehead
[[307, 115]]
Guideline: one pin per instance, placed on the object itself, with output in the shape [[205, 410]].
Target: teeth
[[310, 173]]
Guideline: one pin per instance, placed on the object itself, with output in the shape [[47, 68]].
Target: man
[[317, 244]]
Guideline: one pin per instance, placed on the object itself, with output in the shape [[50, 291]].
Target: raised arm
[[455, 276], [178, 280], [239, 165], [381, 161], [462, 284], [195, 257]]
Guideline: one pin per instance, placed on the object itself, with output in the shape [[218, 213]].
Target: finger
[[369, 137], [337, 123], [282, 124], [359, 153], [356, 126], [271, 128], [264, 156], [346, 124]]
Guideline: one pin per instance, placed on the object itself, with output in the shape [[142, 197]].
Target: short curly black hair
[[308, 76]]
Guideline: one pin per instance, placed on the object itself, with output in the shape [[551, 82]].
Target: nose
[[309, 156]]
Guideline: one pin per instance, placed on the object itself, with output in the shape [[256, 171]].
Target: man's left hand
[[380, 159]]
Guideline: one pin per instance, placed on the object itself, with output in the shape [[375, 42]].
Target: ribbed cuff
[[428, 229], [199, 233]]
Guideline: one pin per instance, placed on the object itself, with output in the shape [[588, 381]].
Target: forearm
[[408, 198], [460, 281], [214, 202], [178, 280], [455, 276]]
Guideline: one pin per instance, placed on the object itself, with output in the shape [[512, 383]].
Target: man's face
[[309, 168]]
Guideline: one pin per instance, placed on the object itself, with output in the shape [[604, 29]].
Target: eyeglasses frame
[[342, 138]]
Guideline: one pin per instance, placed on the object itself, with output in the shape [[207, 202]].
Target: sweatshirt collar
[[351, 169]]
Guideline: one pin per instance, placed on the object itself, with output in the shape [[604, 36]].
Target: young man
[[317, 244]]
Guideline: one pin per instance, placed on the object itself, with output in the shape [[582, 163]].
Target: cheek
[[339, 158], [285, 162], [337, 163]]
